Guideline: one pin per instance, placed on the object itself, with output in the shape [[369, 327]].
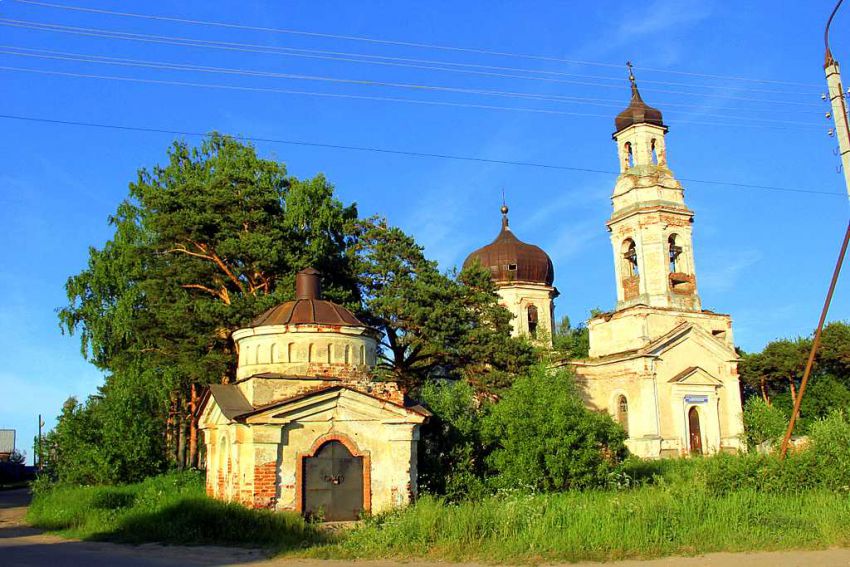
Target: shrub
[[450, 448], [544, 437], [829, 453], [762, 422]]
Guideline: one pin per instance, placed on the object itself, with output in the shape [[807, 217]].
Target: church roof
[[307, 308], [512, 260], [638, 112], [235, 407]]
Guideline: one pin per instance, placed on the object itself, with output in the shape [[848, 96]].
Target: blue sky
[[739, 85]]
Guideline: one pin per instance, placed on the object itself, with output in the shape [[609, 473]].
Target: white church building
[[659, 363]]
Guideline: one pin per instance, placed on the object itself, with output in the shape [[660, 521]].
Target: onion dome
[[308, 308], [638, 112], [512, 260]]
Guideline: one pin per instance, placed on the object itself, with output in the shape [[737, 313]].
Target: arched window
[[623, 412], [310, 352], [629, 158], [289, 352], [330, 353], [630, 259], [347, 354], [532, 320], [274, 353], [674, 251], [362, 354]]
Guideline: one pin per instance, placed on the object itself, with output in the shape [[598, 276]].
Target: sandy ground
[[21, 545]]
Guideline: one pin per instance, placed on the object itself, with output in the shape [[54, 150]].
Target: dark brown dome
[[638, 112], [308, 308], [512, 260]]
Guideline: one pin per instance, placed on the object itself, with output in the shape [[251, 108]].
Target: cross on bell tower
[[650, 226]]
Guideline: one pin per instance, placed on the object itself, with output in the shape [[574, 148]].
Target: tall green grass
[[171, 508], [687, 506], [602, 525]]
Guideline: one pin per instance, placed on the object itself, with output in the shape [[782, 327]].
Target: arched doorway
[[333, 483], [694, 433]]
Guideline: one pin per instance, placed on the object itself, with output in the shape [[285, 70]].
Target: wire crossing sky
[[424, 113]]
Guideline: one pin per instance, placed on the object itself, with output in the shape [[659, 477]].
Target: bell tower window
[[532, 320], [630, 260], [674, 251], [623, 413]]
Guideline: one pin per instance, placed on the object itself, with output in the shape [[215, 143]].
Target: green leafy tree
[[202, 244], [433, 324], [571, 342], [545, 438], [763, 422], [777, 368], [451, 453]]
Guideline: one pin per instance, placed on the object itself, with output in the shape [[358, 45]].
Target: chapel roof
[[308, 308], [512, 260]]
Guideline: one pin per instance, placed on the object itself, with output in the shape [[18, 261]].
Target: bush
[[545, 438], [829, 453], [451, 461], [762, 422]]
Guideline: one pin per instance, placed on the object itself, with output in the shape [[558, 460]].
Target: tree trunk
[[763, 388], [171, 429], [793, 392], [181, 433], [193, 427]]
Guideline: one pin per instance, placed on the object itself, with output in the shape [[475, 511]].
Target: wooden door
[[333, 484], [694, 431]]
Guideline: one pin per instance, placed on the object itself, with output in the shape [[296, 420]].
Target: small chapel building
[[662, 366], [305, 427]]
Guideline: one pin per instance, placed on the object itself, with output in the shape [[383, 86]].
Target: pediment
[[695, 376], [335, 404], [690, 332]]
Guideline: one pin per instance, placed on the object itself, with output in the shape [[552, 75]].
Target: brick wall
[[265, 485]]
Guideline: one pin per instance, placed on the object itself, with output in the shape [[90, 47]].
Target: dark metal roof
[[230, 400], [308, 307], [512, 260], [638, 112]]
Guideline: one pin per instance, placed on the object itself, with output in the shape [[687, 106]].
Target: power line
[[380, 150], [389, 42], [352, 58], [759, 124], [99, 59]]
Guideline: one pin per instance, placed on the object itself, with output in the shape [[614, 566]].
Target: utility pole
[[38, 449], [842, 131]]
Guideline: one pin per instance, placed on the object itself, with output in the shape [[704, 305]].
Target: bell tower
[[650, 224]]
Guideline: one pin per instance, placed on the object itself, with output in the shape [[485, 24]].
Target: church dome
[[307, 308], [638, 112], [512, 260]]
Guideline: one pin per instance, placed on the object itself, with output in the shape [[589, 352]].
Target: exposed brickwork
[[265, 485], [631, 287], [682, 283], [388, 391]]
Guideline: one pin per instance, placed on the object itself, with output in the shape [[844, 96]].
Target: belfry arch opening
[[630, 260], [674, 252], [623, 413], [628, 155], [653, 152], [533, 320]]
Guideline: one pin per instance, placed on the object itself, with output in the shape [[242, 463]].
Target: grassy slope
[[676, 518], [171, 508]]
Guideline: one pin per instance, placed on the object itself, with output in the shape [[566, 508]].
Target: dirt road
[[22, 546]]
